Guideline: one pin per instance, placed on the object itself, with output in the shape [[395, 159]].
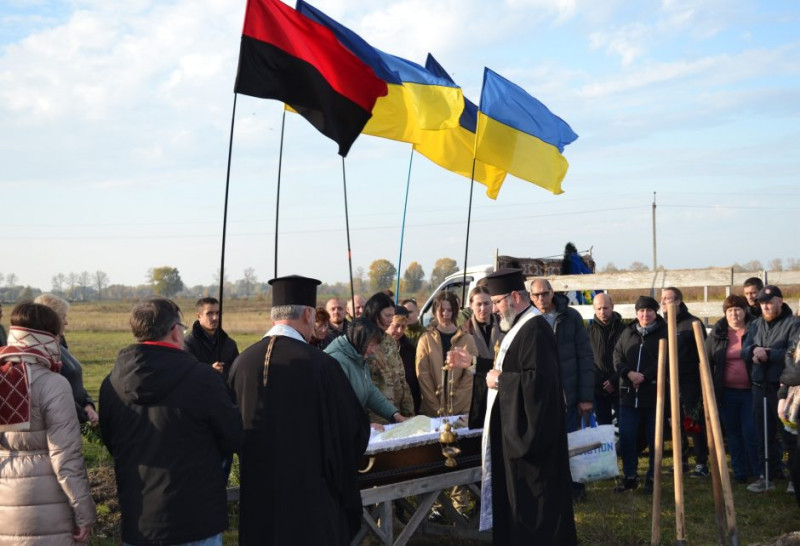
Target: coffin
[[396, 460]]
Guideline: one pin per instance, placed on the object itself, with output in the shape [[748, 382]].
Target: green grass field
[[603, 518]]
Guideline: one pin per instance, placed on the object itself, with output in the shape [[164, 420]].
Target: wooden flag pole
[[719, 509], [711, 403], [402, 230], [675, 413], [655, 535], [225, 229]]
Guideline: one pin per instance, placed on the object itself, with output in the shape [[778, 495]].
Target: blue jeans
[[736, 413], [629, 420], [215, 540]]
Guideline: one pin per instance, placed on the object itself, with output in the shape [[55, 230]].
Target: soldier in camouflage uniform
[[388, 374]]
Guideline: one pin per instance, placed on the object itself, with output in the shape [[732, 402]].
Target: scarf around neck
[[25, 347]]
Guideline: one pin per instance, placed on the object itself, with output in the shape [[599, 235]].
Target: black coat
[[168, 422], [204, 349], [408, 354], [635, 352], [305, 433], [603, 338], [688, 357], [531, 481]]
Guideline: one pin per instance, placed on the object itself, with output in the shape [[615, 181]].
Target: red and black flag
[[286, 56]]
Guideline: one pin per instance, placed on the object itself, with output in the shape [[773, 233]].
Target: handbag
[[596, 463]]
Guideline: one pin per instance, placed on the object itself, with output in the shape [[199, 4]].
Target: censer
[[448, 437]]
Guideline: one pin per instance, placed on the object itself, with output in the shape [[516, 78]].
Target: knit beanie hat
[[646, 302]]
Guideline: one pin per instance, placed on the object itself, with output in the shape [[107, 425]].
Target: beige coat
[[44, 490], [429, 372]]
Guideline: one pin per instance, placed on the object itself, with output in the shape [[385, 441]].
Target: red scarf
[[25, 347]]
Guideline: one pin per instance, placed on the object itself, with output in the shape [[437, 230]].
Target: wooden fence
[[648, 281]]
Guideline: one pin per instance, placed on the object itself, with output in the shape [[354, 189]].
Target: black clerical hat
[[294, 290], [504, 281]]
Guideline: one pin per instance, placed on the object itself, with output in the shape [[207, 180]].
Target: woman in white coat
[[44, 491]]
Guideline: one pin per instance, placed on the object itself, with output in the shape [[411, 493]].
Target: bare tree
[[775, 264], [11, 280], [100, 282], [84, 281], [753, 265], [610, 268], [249, 281], [638, 266], [792, 264], [58, 284], [72, 282], [1, 278]]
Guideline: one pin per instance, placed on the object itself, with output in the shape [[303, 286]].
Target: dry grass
[[604, 518]]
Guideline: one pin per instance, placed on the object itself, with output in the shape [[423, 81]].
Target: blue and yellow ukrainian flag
[[518, 133], [417, 99], [454, 149]]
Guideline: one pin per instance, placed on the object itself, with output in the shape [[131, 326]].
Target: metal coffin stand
[[418, 469]]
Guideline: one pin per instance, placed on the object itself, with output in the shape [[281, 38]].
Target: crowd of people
[[297, 407]]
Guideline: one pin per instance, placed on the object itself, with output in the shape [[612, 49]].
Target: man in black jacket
[[691, 397], [168, 422], [207, 341], [764, 352], [604, 331]]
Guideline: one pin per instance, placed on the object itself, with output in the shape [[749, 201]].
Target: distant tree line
[[381, 275]]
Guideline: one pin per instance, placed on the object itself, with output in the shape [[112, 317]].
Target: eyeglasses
[[497, 302], [182, 325], [535, 295]]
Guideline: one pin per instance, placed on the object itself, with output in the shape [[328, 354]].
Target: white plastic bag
[[599, 463]]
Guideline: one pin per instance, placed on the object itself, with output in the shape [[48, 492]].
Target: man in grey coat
[[575, 357]]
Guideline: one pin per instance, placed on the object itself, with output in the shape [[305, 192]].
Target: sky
[[115, 121]]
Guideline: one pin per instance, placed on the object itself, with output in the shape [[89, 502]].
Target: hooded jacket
[[637, 352], [168, 422], [776, 336], [357, 372]]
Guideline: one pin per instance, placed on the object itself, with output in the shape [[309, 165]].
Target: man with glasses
[[525, 458], [168, 422], [575, 357]]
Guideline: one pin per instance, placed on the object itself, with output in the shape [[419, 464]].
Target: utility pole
[[655, 254]]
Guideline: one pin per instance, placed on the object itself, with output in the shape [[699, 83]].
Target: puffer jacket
[[429, 372], [357, 372], [575, 358], [635, 352], [775, 335], [44, 490]]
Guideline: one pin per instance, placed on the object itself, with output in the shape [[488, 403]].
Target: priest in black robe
[[527, 486], [305, 431]]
